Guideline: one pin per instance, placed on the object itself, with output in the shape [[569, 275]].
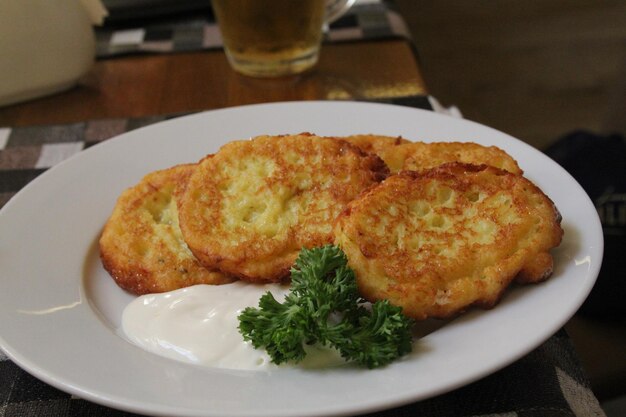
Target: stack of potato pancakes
[[433, 227]]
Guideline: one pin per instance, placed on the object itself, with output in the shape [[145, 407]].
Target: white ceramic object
[[60, 312], [46, 47]]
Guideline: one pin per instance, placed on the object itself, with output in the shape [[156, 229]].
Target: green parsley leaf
[[324, 306]]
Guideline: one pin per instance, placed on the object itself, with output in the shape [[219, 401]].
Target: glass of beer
[[273, 38]]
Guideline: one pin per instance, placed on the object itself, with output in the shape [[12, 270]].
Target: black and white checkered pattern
[[372, 19]]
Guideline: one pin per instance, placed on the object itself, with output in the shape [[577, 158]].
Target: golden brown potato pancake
[[440, 241], [142, 246], [418, 156], [250, 208]]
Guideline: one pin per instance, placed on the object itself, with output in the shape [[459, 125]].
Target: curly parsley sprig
[[324, 307]]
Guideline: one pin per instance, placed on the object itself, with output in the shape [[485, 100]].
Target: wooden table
[[135, 86]]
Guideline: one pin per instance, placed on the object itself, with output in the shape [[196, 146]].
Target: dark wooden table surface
[[135, 86]]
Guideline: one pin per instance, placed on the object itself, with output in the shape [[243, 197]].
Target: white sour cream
[[199, 325]]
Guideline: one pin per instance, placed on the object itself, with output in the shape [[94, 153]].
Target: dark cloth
[[598, 163]]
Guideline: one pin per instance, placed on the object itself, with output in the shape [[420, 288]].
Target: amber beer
[[268, 38]]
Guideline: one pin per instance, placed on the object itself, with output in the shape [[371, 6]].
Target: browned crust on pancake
[[445, 239], [250, 208], [377, 144], [419, 156], [141, 246]]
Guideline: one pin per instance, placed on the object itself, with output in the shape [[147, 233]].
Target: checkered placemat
[[372, 19], [547, 382]]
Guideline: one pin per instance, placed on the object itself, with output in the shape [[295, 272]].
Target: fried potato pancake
[[142, 246], [418, 156], [249, 209], [442, 240]]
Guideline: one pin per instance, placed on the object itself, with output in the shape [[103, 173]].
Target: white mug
[[46, 46]]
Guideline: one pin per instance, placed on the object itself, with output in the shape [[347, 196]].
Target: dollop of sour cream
[[199, 324]]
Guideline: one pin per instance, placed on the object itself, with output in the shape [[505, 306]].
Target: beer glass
[[272, 38]]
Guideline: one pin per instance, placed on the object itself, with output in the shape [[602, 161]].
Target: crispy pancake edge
[[127, 229], [419, 156]]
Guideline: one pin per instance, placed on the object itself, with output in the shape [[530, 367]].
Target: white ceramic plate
[[60, 312]]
